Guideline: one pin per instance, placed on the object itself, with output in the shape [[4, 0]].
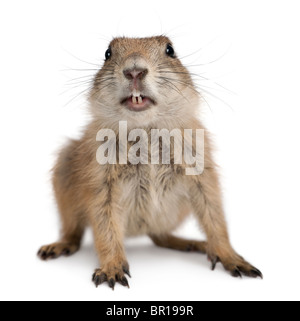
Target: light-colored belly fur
[[153, 201]]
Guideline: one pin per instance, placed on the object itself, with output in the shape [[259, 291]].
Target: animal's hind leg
[[176, 243], [71, 235], [72, 216]]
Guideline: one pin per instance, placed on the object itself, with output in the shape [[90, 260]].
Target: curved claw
[[255, 273], [112, 283], [124, 281], [126, 271], [42, 255], [236, 273], [214, 262], [99, 279]]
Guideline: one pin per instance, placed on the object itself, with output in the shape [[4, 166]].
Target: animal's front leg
[[107, 224], [207, 204], [110, 249]]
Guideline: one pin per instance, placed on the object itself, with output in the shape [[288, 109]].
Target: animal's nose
[[135, 73]]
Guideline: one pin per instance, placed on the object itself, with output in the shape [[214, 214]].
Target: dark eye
[[108, 54], [170, 51]]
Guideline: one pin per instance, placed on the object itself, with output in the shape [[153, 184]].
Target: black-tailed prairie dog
[[143, 84]]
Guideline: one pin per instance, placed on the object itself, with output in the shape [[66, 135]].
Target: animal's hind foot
[[55, 250], [236, 265], [179, 244]]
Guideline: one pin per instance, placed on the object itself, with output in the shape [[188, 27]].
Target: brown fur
[[127, 200]]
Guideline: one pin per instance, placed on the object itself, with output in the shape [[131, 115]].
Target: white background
[[255, 46]]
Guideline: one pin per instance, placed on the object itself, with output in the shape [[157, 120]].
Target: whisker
[[98, 82], [203, 78], [116, 64], [79, 59], [183, 83], [99, 89], [78, 95], [207, 103], [77, 69], [183, 57], [169, 82], [76, 82], [75, 86], [82, 77], [173, 86]]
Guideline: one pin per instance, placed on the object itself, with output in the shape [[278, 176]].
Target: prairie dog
[[143, 83]]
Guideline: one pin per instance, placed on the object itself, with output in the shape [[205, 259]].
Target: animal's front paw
[[112, 273], [236, 265]]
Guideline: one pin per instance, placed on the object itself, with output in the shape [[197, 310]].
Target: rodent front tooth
[[140, 99], [134, 100]]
